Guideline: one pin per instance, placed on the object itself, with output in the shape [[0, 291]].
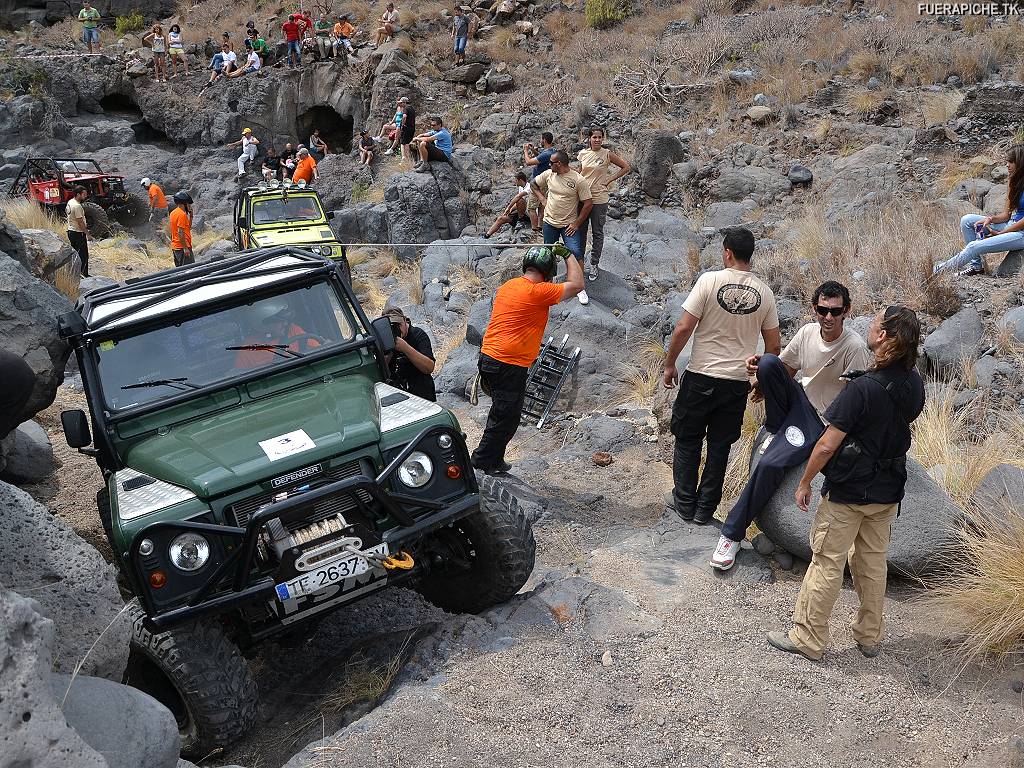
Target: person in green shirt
[[90, 19], [322, 30], [260, 46]]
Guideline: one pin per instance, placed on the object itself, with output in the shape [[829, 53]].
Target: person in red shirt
[[293, 37], [512, 342]]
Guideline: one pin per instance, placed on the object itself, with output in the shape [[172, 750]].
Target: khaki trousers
[[837, 528]]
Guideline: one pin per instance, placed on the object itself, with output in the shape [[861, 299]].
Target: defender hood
[[299, 234], [221, 453]]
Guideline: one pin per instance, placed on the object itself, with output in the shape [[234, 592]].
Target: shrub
[[132, 22], [605, 13]]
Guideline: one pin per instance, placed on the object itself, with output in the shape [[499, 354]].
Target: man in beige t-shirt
[[727, 313], [817, 356], [78, 228], [566, 198]]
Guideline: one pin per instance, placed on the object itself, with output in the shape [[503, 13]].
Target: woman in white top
[[596, 164], [157, 41], [248, 143], [176, 50]]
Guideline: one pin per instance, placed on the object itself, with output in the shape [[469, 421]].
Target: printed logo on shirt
[[570, 184], [795, 437], [739, 299]]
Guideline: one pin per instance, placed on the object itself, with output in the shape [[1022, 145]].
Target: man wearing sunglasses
[[820, 353]]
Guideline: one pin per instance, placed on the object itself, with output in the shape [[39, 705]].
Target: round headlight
[[189, 552], [444, 441], [416, 471], [315, 249]]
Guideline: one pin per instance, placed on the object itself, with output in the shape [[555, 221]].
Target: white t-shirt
[[253, 60], [819, 364], [230, 57], [390, 17], [248, 144], [733, 307]]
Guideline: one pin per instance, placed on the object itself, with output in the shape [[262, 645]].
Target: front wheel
[[483, 559], [97, 219], [132, 212], [198, 673]]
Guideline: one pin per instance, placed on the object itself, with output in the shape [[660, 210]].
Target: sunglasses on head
[[834, 311]]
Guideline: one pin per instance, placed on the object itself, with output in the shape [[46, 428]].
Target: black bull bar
[[238, 564]]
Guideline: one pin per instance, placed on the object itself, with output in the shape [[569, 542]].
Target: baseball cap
[[247, 130], [395, 315]]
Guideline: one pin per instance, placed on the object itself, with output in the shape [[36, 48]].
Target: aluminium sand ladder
[[547, 375]]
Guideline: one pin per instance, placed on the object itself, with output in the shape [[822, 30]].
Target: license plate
[[327, 574]]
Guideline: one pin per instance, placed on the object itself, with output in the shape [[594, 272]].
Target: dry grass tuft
[[865, 102], [411, 277], [371, 296], [447, 345], [25, 214], [643, 372], [938, 108], [66, 280]]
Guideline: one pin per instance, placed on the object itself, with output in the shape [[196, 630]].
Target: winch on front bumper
[[272, 557]]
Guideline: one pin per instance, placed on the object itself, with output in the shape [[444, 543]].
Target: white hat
[[146, 182]]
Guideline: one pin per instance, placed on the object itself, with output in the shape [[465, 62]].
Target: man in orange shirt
[[305, 168], [157, 200], [512, 342], [181, 229]]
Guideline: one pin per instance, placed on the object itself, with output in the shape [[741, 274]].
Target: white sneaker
[[584, 299], [725, 554]]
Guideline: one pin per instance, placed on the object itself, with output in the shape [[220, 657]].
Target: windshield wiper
[[277, 349], [180, 383]]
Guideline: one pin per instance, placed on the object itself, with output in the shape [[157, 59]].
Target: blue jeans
[[294, 46], [976, 247], [91, 35], [460, 44], [573, 242]]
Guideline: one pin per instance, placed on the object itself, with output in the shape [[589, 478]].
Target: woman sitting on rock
[[993, 234]]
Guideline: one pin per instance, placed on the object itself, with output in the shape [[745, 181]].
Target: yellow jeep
[[271, 214]]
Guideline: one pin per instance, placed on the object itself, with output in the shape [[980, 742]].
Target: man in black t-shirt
[[863, 455], [272, 165], [408, 127], [413, 359]]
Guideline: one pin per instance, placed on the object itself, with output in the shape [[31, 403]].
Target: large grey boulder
[[762, 185], [1011, 265], [953, 342], [361, 223], [603, 433], [339, 175], [126, 726], [999, 107], [423, 207], [921, 537], [1002, 488], [658, 152], [467, 73], [34, 732], [26, 455], [476, 322], [73, 585], [29, 309], [12, 242], [1013, 321], [865, 178], [498, 130]]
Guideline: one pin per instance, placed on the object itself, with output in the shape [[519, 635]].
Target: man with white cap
[[248, 143], [157, 200]]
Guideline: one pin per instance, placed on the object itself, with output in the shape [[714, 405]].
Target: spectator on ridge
[[993, 234], [305, 168], [341, 37], [293, 39], [260, 46], [515, 212], [221, 64], [366, 147], [322, 32], [388, 24], [252, 62], [288, 158], [408, 130], [725, 313], [90, 19], [435, 144], [596, 164], [272, 168], [317, 147], [566, 197], [460, 33], [393, 130], [176, 50], [540, 163], [157, 42], [248, 143]]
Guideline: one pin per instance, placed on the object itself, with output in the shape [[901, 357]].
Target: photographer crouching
[[412, 363], [863, 455]]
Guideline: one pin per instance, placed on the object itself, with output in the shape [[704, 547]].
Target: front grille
[[242, 511]]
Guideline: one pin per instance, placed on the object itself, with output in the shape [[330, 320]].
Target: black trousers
[[16, 384], [794, 422], [506, 384], [80, 243], [711, 410]]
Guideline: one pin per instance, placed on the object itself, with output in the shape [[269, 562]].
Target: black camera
[[396, 329]]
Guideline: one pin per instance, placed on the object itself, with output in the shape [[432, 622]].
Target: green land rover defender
[[260, 472]]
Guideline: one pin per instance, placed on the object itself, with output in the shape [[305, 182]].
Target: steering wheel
[[303, 339]]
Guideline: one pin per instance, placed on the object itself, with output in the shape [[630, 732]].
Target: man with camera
[[863, 455], [540, 160], [820, 352], [512, 342], [412, 363]]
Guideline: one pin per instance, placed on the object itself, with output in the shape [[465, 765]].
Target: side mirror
[[243, 223], [330, 215], [76, 428], [381, 328]]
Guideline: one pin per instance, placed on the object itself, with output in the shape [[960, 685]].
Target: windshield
[[195, 353], [78, 166], [287, 210]]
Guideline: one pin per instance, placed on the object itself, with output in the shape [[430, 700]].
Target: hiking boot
[[868, 650], [972, 270], [781, 641], [500, 469], [593, 273], [725, 554], [422, 168], [670, 502], [584, 299], [701, 518]]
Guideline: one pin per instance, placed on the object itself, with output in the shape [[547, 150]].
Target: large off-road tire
[[497, 544], [198, 673], [133, 212], [97, 219]]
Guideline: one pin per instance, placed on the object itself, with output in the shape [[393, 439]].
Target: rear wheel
[[198, 673], [484, 559], [97, 219], [132, 212]]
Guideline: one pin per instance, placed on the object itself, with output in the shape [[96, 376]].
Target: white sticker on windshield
[[287, 445]]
